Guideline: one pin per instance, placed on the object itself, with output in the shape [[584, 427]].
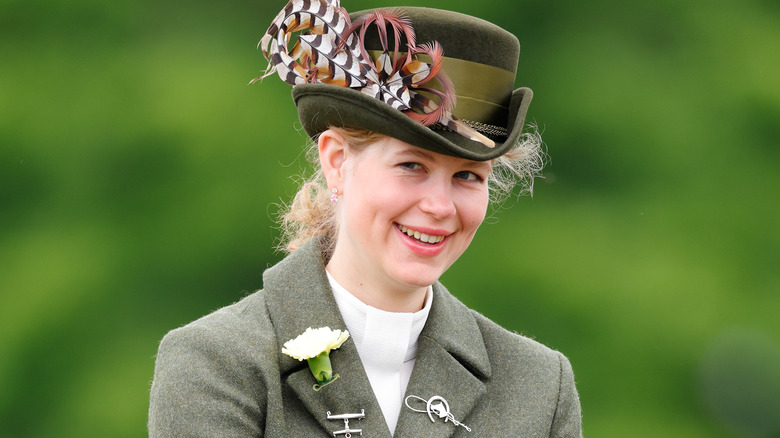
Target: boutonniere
[[315, 345]]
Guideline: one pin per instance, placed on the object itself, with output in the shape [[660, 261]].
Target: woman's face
[[406, 214]]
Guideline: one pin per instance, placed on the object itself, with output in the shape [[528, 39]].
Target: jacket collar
[[451, 362]]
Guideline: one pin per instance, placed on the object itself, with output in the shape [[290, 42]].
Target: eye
[[468, 176], [410, 165]]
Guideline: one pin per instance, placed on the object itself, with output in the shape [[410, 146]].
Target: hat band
[[493, 132], [483, 101]]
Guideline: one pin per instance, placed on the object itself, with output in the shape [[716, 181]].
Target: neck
[[384, 295]]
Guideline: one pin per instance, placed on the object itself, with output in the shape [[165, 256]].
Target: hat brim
[[322, 106]]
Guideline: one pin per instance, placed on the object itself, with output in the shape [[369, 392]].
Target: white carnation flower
[[314, 342]]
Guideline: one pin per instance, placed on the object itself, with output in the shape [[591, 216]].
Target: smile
[[422, 237]]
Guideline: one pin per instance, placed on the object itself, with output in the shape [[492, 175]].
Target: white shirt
[[387, 345]]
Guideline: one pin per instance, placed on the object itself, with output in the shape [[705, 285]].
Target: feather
[[456, 125], [435, 51], [381, 19], [467, 131], [332, 66], [330, 49], [429, 111], [317, 17]]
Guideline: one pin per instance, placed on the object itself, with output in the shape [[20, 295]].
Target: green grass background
[[139, 179]]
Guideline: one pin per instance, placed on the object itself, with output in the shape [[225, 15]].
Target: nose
[[437, 199]]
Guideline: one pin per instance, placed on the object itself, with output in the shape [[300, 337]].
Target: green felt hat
[[481, 60]]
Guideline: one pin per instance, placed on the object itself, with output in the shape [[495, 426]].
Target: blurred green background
[[140, 177]]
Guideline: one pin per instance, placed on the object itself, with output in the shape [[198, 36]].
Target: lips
[[430, 239]]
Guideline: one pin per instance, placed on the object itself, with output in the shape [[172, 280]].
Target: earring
[[334, 198]]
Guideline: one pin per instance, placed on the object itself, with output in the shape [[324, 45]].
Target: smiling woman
[[409, 142], [408, 216]]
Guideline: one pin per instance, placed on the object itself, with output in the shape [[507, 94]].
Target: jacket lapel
[[452, 363], [298, 296]]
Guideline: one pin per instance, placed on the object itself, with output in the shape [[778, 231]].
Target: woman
[[404, 181]]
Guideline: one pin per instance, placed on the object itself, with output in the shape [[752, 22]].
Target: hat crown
[[462, 36]]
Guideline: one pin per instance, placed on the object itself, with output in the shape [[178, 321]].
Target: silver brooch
[[438, 406], [347, 432]]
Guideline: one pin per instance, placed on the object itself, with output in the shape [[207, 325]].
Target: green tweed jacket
[[224, 375]]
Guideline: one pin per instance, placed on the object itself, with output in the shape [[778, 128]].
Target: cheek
[[365, 200], [475, 211]]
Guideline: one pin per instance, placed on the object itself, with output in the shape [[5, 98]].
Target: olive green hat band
[[484, 101]]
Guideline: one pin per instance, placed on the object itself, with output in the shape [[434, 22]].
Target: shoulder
[[244, 322], [514, 354], [501, 342], [454, 322], [224, 340], [211, 374], [521, 365], [235, 337]]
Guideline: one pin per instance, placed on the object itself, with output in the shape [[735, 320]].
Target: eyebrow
[[488, 165], [471, 164], [418, 152]]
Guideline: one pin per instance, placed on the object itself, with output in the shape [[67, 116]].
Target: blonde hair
[[311, 213]]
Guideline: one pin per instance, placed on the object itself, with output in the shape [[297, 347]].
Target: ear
[[333, 151]]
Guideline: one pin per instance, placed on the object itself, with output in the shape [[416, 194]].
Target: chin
[[420, 283], [416, 277]]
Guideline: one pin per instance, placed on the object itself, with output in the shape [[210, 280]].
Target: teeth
[[427, 238]]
